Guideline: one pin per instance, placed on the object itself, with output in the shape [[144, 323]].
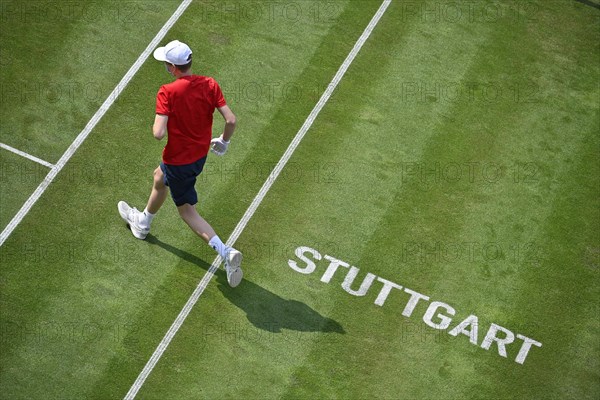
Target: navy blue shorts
[[181, 179]]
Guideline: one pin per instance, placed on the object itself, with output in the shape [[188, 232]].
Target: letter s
[[310, 265]]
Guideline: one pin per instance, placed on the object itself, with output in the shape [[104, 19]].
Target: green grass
[[83, 305]]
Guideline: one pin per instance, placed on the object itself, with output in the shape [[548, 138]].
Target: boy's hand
[[219, 145]]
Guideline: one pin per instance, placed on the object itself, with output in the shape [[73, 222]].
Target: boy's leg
[[198, 224], [159, 192], [232, 257], [139, 222]]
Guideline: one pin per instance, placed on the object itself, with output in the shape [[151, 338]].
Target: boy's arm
[[229, 118], [159, 129]]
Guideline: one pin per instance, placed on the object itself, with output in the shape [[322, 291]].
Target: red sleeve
[[219, 100], [162, 102]]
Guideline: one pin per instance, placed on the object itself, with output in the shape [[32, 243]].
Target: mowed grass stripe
[[567, 283], [567, 239]]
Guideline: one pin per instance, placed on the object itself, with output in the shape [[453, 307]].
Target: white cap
[[174, 52]]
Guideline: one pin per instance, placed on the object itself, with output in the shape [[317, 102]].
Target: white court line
[[29, 156], [112, 97], [162, 346]]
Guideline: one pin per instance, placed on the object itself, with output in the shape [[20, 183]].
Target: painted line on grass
[[112, 97], [164, 343], [26, 155]]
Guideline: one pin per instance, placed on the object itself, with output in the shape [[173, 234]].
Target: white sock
[[219, 246], [146, 218]]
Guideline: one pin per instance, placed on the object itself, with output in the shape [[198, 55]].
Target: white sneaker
[[232, 267], [131, 217]]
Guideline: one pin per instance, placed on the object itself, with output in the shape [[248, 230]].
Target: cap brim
[[159, 54]]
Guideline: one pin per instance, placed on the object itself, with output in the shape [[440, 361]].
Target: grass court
[[440, 214]]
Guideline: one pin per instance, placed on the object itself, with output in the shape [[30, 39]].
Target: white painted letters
[[472, 332], [491, 337], [333, 266], [310, 265], [438, 315], [444, 320], [385, 290], [364, 286], [527, 342], [412, 303]]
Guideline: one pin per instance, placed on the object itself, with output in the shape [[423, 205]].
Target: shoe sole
[[235, 273], [137, 233], [235, 277]]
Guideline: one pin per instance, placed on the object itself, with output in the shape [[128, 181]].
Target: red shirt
[[189, 102]]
